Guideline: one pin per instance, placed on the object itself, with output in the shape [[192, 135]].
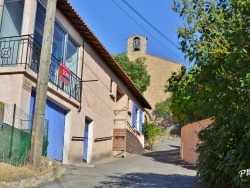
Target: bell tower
[[137, 44]]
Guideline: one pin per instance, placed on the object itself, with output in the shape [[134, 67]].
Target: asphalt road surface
[[157, 169]]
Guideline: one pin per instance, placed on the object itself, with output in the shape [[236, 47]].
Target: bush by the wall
[[151, 132]]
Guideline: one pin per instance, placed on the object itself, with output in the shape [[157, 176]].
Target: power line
[[147, 31], [149, 23]]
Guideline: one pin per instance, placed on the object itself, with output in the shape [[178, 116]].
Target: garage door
[[56, 125]]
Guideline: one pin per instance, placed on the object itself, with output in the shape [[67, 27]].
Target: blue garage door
[[56, 118]]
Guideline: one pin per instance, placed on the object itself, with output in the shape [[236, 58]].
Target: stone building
[[160, 69]]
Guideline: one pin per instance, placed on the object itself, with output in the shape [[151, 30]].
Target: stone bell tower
[[137, 46], [160, 69]]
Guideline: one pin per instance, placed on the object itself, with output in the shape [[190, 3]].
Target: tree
[[216, 38], [162, 110], [163, 116], [187, 100], [136, 70]]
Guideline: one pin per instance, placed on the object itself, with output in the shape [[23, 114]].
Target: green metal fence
[[14, 145], [15, 136]]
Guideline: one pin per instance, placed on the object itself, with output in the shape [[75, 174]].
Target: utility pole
[[42, 87]]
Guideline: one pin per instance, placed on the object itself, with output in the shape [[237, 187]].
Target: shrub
[[151, 133]]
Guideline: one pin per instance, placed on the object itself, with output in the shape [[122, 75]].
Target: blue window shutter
[[134, 115], [140, 120]]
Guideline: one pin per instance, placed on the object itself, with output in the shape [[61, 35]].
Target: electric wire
[[149, 23], [147, 31]]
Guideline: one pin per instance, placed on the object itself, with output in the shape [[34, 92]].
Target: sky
[[113, 22]]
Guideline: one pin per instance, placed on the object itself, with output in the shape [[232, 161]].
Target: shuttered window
[[140, 120], [134, 115]]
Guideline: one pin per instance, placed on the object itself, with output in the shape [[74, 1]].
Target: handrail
[[25, 50], [77, 138], [103, 139], [131, 128]]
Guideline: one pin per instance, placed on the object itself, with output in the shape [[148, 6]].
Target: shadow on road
[[150, 180], [173, 146], [171, 157]]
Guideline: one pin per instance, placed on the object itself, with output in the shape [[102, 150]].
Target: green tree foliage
[[217, 39], [187, 100], [162, 110], [151, 132], [163, 115], [136, 70]]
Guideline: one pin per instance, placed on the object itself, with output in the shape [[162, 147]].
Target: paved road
[[160, 168]]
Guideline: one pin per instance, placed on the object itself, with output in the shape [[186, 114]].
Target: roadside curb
[[35, 181]]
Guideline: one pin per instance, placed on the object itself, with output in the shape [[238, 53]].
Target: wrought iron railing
[[24, 50], [131, 128]]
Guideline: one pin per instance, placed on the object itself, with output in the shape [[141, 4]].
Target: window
[[140, 120], [12, 18], [71, 56], [137, 43], [134, 115], [112, 89], [11, 25], [58, 45], [129, 110], [63, 47], [137, 117], [39, 23]]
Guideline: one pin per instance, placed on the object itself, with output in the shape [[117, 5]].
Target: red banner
[[64, 74]]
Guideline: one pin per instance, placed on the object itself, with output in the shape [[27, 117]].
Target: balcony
[[25, 51]]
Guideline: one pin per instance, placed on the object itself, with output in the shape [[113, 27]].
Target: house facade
[[92, 106]]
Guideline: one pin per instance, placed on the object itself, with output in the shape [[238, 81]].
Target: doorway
[[87, 144], [56, 127]]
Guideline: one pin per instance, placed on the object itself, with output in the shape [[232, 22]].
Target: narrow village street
[[160, 168]]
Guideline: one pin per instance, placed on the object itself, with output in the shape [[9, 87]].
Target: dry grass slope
[[9, 173]]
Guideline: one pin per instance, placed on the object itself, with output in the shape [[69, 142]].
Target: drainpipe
[[80, 107]]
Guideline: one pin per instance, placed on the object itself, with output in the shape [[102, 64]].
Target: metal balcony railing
[[24, 50]]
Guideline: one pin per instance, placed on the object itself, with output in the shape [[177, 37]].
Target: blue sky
[[112, 26]]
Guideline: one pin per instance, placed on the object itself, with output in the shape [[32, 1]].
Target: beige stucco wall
[[122, 115], [189, 139], [10, 88]]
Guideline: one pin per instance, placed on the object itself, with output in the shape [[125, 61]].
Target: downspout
[[80, 107]]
